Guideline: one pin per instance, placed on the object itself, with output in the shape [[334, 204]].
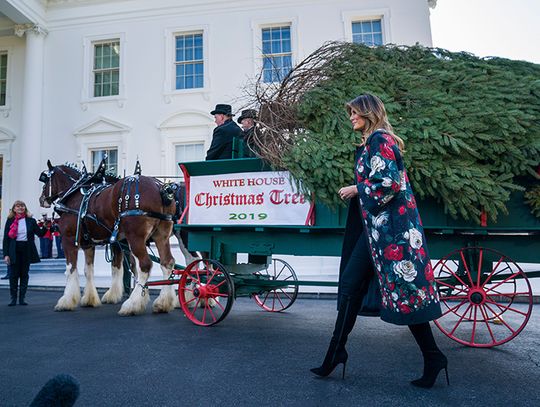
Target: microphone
[[60, 391]]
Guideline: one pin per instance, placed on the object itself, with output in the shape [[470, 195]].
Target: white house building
[[138, 78]]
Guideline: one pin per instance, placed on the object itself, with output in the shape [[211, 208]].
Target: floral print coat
[[395, 234]]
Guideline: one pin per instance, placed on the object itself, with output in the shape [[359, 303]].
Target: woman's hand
[[348, 192], [6, 259]]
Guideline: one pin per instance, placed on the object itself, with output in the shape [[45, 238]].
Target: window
[[106, 70], [188, 152], [111, 163], [189, 61], [3, 78], [367, 32], [277, 53]]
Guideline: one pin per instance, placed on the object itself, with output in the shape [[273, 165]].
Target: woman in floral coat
[[384, 254]]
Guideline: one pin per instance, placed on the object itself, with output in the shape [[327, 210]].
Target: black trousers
[[19, 271], [359, 270]]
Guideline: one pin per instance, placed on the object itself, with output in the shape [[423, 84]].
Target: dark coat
[[395, 233], [222, 141], [245, 145], [32, 229]]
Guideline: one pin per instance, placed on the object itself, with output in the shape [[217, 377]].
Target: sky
[[503, 28]]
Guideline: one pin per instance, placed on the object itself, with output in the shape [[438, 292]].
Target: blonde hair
[[12, 210], [372, 110]]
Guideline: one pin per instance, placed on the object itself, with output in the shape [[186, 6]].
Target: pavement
[[252, 358]]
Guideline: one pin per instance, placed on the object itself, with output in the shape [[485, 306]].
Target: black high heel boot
[[336, 354], [434, 362], [434, 359]]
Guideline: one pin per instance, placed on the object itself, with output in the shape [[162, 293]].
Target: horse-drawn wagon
[[242, 206], [487, 298]]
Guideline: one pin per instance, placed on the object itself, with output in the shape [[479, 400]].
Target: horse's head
[[57, 180]]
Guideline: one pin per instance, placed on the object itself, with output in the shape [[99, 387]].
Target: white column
[[28, 159]]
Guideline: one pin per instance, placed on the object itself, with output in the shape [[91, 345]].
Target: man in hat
[[222, 138], [247, 121]]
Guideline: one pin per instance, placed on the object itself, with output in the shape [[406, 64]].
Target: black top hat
[[247, 114], [222, 109]]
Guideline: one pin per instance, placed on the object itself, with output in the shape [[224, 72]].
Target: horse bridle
[[46, 176]]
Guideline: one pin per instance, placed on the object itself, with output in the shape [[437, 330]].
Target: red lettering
[[275, 196], [199, 199]]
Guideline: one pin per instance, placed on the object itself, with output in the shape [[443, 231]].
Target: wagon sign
[[247, 198]]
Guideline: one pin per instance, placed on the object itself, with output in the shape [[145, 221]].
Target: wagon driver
[[224, 134]]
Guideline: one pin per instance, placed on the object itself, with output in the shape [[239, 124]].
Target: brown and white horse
[[134, 210]]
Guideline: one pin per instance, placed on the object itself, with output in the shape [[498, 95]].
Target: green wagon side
[[477, 270]]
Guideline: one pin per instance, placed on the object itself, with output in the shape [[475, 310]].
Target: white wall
[[145, 28]]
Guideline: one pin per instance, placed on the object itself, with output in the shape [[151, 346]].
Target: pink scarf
[[15, 226]]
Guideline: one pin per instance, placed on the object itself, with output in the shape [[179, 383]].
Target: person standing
[[55, 230], [45, 242], [384, 245], [224, 134], [247, 122], [19, 248]]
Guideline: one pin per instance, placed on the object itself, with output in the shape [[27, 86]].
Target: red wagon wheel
[[479, 290], [283, 296], [206, 292]]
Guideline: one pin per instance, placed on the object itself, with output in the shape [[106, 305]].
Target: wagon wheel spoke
[[479, 271], [473, 332], [460, 319], [455, 275], [466, 267], [455, 297], [439, 282], [494, 271], [505, 280], [277, 297], [496, 292], [486, 319], [285, 294], [454, 309], [503, 322], [505, 308]]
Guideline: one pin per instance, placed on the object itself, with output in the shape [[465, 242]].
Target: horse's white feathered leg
[[165, 301], [72, 291], [139, 298], [115, 293], [90, 296]]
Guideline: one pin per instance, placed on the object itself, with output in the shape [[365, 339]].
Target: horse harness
[[89, 190], [124, 198]]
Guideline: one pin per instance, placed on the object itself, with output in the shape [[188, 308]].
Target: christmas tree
[[471, 125]]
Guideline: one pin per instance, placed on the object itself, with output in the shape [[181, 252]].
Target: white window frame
[[185, 63], [169, 83], [87, 93], [357, 16], [6, 108], [191, 142], [94, 71], [183, 127], [94, 149], [276, 55], [256, 30]]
